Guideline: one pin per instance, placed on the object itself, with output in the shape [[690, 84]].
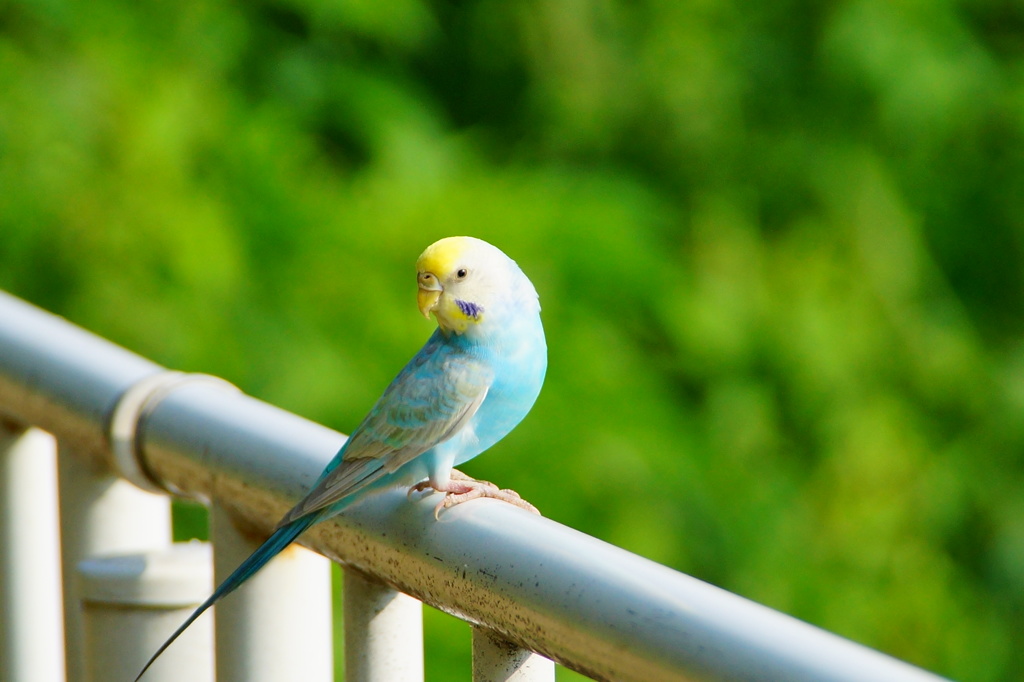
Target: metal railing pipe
[[581, 602], [545, 587], [61, 378]]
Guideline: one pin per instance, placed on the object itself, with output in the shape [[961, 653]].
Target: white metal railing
[[526, 583]]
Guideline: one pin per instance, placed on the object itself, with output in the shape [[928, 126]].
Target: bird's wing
[[427, 403]]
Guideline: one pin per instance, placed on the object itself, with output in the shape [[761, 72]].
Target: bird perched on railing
[[475, 379]]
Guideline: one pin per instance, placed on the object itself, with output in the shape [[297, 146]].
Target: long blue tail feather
[[281, 538]]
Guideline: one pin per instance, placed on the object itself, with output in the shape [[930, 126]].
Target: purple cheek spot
[[469, 309]]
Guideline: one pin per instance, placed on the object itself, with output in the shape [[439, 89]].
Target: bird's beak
[[428, 295]]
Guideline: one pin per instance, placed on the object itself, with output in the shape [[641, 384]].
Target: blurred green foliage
[[780, 248]]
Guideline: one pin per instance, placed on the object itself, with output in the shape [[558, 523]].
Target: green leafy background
[[779, 248]]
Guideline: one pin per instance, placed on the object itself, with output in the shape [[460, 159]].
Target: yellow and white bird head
[[468, 284]]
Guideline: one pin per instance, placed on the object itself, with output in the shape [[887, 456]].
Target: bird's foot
[[461, 488]]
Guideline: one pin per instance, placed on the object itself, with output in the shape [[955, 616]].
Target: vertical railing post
[[498, 660], [131, 602], [278, 625], [31, 629], [100, 514], [383, 632]]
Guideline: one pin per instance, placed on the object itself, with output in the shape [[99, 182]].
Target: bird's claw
[[418, 488], [461, 488], [489, 490]]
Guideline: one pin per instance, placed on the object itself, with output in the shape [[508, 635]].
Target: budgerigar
[[473, 382]]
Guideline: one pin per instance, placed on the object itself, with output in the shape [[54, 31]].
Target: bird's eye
[[461, 274]]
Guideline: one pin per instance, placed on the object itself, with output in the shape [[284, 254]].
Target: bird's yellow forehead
[[442, 256]]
